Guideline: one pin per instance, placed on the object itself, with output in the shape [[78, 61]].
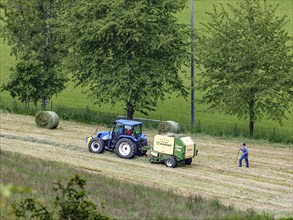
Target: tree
[[127, 51], [29, 30], [246, 60]]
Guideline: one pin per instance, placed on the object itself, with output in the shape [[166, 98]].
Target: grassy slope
[[175, 108], [119, 199]]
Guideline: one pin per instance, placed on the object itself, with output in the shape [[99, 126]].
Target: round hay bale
[[168, 127], [47, 119]]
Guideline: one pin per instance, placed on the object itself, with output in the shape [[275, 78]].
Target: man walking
[[244, 155]]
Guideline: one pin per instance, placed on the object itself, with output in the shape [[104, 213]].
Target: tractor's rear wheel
[[96, 145], [125, 148], [188, 161], [171, 162]]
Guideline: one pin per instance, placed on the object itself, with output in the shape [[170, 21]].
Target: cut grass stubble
[[213, 173]]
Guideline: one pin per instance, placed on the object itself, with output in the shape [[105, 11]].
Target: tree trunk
[[251, 128], [251, 117], [130, 111], [44, 103]]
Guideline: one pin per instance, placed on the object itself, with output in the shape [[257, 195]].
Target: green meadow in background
[[173, 108]]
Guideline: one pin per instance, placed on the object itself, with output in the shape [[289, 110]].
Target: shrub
[[71, 203]]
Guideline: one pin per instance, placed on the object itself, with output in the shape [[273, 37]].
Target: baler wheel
[[188, 161], [171, 162], [96, 145]]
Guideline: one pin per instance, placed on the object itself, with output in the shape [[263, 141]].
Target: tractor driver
[[128, 130]]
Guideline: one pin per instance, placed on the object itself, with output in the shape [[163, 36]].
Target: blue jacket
[[244, 150]]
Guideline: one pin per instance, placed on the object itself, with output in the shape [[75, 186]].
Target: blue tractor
[[125, 138]]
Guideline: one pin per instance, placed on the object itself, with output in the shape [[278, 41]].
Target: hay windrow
[[47, 119], [168, 127]]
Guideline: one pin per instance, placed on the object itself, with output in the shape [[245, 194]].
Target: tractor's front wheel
[[188, 161], [96, 145], [171, 162], [125, 148]]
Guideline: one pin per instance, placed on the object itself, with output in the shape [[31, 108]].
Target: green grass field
[[173, 108]]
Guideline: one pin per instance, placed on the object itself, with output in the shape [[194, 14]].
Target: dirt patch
[[266, 186]]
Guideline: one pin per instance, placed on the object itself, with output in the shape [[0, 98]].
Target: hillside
[[265, 186]]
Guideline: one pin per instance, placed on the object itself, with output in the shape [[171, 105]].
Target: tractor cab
[[126, 127]]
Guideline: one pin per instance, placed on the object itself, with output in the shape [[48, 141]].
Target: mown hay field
[[266, 186]]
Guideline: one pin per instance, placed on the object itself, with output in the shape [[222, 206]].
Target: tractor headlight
[[88, 139]]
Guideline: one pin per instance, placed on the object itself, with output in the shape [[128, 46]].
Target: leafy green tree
[[246, 57], [29, 29], [126, 51], [71, 203]]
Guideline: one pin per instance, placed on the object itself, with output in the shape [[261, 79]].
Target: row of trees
[[128, 51], [133, 52]]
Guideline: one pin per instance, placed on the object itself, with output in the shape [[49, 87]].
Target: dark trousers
[[246, 160]]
